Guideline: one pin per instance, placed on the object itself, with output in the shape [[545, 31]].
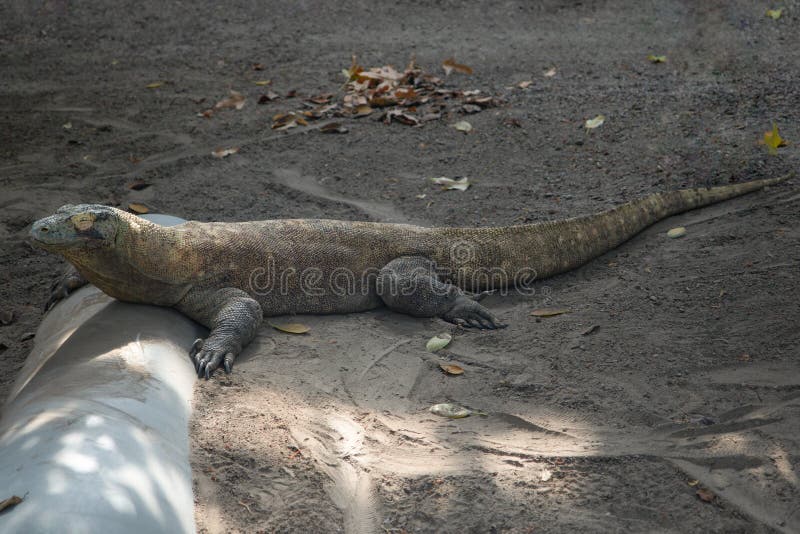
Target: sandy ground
[[690, 380]]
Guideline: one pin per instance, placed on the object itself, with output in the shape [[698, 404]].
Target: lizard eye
[[83, 221]]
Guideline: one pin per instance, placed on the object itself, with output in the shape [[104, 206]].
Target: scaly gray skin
[[219, 273]]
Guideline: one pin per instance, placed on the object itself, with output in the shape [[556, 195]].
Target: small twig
[[383, 355], [247, 506]]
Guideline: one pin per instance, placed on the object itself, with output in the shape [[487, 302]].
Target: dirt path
[[692, 372]]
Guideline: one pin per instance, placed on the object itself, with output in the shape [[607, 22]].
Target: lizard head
[[75, 230]]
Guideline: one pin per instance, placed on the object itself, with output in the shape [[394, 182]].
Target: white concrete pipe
[[94, 435]]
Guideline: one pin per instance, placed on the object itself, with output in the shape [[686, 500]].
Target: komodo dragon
[[226, 276]]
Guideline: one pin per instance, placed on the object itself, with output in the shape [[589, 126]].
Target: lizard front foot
[[61, 289], [208, 354], [233, 318], [467, 312]]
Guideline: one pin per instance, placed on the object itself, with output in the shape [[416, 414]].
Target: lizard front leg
[[70, 280], [233, 318], [409, 284]]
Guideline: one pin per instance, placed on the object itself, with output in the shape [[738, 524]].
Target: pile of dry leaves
[[410, 97]]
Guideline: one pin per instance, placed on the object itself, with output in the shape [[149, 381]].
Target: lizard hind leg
[[409, 284]]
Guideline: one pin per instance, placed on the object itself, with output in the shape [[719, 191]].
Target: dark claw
[[207, 361], [483, 294], [468, 313], [201, 364], [55, 296], [196, 346]]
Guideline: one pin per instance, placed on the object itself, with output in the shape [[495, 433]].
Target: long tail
[[496, 257]]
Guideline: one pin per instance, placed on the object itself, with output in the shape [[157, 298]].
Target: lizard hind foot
[[468, 313]]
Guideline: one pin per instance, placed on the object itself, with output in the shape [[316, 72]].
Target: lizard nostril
[[44, 229]]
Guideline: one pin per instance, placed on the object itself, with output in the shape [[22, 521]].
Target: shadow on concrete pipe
[[94, 434]]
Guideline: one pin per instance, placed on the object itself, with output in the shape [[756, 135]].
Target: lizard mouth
[[44, 234], [39, 234]]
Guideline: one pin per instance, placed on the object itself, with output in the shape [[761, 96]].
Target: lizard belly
[[322, 302]]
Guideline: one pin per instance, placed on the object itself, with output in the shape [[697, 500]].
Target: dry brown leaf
[[363, 111], [482, 101], [334, 127], [549, 73], [382, 101], [705, 495], [321, 111], [291, 328], [451, 369], [324, 98], [449, 65], [258, 66], [549, 312], [406, 93], [141, 209], [459, 184], [225, 152], [11, 501], [525, 84], [138, 185], [235, 100], [400, 116], [284, 121], [207, 114], [269, 96]]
